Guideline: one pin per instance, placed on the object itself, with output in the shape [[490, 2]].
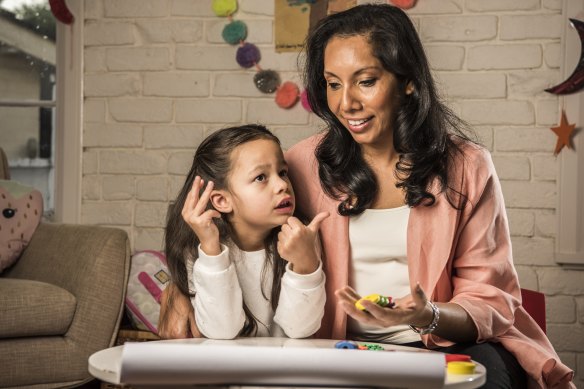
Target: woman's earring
[[409, 88]]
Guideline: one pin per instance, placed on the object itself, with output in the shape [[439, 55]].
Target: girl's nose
[[281, 185]]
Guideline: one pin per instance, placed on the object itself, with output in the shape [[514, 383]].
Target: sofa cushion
[[21, 208], [33, 308]]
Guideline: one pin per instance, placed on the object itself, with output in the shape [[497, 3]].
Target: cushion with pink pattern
[[21, 209]]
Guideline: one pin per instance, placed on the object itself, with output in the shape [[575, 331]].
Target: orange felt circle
[[287, 94]]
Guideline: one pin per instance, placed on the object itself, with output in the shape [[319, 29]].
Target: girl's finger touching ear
[[201, 205]]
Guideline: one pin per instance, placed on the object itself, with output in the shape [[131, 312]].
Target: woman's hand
[[297, 243], [200, 219], [177, 317], [411, 309]]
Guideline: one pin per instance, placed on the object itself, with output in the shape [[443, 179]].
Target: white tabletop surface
[[105, 365]]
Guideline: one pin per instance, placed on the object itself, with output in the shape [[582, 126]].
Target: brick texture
[[158, 77]]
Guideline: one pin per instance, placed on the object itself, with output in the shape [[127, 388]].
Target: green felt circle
[[234, 32]]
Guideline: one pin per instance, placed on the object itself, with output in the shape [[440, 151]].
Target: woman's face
[[360, 92]]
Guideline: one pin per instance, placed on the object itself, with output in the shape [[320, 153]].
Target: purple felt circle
[[247, 55]]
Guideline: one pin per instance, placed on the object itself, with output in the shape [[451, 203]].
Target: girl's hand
[[200, 219], [297, 243], [411, 309]]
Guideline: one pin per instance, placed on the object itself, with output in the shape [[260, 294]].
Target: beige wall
[[158, 78]]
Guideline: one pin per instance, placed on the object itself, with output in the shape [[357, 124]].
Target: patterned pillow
[[21, 208]]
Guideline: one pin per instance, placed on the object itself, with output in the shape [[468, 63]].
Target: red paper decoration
[[61, 12]]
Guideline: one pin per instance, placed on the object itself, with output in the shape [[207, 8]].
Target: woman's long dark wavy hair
[[212, 162], [424, 129]]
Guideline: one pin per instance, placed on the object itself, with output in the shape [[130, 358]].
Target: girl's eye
[[260, 178], [368, 82], [284, 173]]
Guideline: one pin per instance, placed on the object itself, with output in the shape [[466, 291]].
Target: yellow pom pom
[[224, 7]]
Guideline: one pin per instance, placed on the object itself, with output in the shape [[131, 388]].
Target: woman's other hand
[[297, 243], [177, 317], [200, 219], [411, 309]]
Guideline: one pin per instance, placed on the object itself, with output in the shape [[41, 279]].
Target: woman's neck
[[382, 161]]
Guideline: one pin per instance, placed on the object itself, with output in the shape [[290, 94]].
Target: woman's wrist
[[432, 324]]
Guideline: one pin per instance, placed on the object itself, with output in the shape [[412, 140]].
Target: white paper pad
[[282, 362]]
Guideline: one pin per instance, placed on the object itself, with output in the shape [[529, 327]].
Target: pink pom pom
[[304, 101]]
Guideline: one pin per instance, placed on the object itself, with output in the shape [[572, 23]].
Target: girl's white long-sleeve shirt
[[222, 283]]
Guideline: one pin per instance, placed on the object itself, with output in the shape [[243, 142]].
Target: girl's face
[[260, 191], [360, 92]]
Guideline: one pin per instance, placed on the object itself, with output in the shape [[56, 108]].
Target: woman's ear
[[409, 88], [221, 201]]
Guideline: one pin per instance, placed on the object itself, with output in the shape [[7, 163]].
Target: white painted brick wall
[[158, 78]]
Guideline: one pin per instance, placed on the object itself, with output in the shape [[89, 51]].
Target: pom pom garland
[[234, 32], [287, 95], [224, 7], [248, 55], [267, 81], [304, 101]]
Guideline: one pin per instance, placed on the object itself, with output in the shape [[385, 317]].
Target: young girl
[[233, 219]]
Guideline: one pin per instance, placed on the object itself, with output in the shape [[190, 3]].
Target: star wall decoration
[[564, 132]]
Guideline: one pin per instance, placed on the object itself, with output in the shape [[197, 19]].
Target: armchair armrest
[[92, 263]]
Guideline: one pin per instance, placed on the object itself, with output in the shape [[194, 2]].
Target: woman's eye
[[334, 85], [260, 178], [368, 82]]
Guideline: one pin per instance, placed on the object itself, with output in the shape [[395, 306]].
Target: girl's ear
[[221, 201]]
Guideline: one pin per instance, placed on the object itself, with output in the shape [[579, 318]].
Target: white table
[[106, 365]]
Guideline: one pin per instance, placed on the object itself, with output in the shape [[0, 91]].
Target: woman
[[415, 205]]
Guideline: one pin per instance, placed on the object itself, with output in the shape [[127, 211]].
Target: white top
[[223, 282], [378, 239]]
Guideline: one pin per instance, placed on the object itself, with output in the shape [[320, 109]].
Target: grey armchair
[[61, 302]]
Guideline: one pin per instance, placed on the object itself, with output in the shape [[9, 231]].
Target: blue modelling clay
[[346, 344]]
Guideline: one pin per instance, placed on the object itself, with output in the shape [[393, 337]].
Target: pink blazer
[[459, 256]]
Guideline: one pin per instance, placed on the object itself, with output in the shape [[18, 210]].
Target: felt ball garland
[[248, 55], [267, 81], [234, 32]]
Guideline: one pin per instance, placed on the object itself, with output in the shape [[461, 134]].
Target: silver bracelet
[[433, 325]]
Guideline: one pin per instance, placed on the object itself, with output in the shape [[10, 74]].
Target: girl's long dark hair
[[212, 162], [425, 131]]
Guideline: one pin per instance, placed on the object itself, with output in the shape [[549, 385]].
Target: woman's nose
[[349, 100]]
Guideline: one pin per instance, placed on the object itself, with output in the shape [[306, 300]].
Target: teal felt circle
[[234, 32]]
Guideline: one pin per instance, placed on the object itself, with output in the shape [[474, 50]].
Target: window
[[40, 107], [27, 103]]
